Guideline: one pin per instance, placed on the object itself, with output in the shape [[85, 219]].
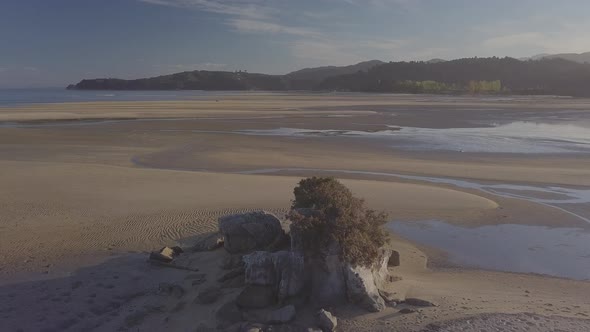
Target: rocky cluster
[[277, 279]]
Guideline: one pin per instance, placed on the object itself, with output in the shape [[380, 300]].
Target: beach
[[89, 188]]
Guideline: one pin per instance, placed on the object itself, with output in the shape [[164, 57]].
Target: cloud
[[255, 26], [253, 9]]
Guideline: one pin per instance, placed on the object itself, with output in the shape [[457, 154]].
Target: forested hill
[[471, 75]]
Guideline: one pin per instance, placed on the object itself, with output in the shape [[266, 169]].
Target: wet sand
[[78, 193]]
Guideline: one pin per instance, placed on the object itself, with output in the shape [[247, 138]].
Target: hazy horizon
[[52, 44]]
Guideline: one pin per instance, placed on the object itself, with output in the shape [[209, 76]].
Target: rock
[[177, 250], [250, 231], [419, 302], [257, 297], [361, 288], [283, 271], [326, 321], [328, 284], [253, 328], [407, 311], [209, 243], [165, 255], [380, 270], [232, 262], [282, 315], [391, 299], [165, 288], [208, 295], [394, 259]]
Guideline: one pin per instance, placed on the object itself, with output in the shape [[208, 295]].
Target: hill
[[555, 76], [309, 77], [575, 57]]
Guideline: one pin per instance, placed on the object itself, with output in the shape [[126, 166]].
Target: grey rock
[[231, 262], [419, 302], [283, 271], [209, 243], [165, 255], [328, 283], [391, 299], [326, 321], [253, 296], [282, 315], [250, 231], [363, 283], [407, 311], [208, 295]]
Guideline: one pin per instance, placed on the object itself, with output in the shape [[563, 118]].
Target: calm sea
[[15, 97]]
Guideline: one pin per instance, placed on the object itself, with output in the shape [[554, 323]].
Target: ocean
[[17, 97]]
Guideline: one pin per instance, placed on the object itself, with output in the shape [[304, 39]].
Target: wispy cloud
[[254, 9], [257, 26]]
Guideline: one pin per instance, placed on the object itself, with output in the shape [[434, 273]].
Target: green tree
[[325, 212]]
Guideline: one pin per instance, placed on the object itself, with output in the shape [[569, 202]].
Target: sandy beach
[[89, 188]]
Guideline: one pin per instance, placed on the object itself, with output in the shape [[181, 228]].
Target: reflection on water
[[515, 137], [562, 252]]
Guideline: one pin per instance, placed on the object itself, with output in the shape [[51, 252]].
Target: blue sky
[[56, 42]]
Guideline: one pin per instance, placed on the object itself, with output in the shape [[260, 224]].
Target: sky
[[58, 42]]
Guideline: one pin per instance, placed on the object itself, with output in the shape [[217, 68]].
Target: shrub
[[325, 213]]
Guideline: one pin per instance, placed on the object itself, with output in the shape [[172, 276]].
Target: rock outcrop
[[283, 271], [250, 231]]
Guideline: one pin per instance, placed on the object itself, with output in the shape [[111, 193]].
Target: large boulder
[[250, 231], [283, 271], [328, 283]]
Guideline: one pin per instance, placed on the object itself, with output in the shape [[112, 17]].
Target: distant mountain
[[304, 78], [471, 75], [549, 75], [435, 60], [189, 80], [575, 57]]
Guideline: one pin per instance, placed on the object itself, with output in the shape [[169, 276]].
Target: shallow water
[[574, 201], [514, 137], [561, 252]]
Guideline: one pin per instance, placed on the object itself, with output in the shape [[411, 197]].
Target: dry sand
[[76, 196]]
